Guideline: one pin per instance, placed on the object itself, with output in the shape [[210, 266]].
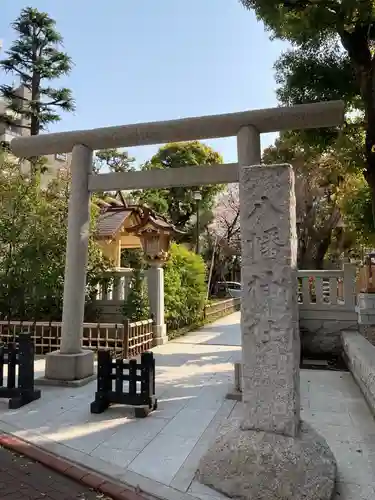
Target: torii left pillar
[[72, 365]]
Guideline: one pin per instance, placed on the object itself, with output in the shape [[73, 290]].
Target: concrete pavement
[[160, 454]]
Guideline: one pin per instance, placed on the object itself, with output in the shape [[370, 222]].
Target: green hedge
[[184, 287]]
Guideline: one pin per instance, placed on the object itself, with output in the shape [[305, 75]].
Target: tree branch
[[299, 5], [15, 70], [52, 103]]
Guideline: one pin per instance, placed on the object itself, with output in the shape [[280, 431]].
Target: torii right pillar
[[272, 454]]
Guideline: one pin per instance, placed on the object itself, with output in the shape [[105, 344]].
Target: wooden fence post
[[147, 371], [132, 378], [12, 362], [154, 377], [125, 339], [101, 402], [147, 385], [26, 361], [142, 401], [19, 390], [27, 393], [119, 380]]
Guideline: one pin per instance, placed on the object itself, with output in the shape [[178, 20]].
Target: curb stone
[[83, 475]]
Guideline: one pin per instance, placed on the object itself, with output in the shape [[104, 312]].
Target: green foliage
[[35, 58], [307, 74], [32, 247], [313, 21], [332, 57], [114, 160], [178, 203], [358, 213], [325, 182], [312, 75], [184, 287], [133, 258], [136, 307]]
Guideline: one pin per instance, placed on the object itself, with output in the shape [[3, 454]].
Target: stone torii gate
[[272, 455]]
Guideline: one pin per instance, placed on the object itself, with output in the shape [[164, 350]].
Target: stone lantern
[[155, 244], [155, 235]]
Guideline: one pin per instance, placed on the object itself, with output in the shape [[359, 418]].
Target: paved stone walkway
[[24, 479], [160, 454]]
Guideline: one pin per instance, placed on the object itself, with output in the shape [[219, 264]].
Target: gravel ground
[[23, 479]]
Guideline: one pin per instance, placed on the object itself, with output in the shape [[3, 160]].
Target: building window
[[61, 156]]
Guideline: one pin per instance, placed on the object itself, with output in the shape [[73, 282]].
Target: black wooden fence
[[127, 377], [21, 391]]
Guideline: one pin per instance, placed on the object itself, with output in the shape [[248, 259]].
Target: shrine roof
[[113, 215]]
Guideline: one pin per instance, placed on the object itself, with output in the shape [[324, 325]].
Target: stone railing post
[[116, 288], [350, 291], [155, 285]]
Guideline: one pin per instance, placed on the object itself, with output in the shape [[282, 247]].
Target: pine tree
[[35, 58], [114, 160]]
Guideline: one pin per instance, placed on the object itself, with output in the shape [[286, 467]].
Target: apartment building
[[19, 128]]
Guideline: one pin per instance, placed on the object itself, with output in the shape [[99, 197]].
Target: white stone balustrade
[[327, 306], [115, 285], [112, 291], [329, 289]]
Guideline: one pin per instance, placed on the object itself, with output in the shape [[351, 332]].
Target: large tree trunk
[[370, 178], [312, 257], [359, 49], [321, 252], [313, 243], [370, 156]]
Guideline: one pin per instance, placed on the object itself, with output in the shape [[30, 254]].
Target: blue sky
[[147, 60]]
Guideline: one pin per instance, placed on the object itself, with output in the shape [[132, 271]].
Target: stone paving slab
[[160, 453]]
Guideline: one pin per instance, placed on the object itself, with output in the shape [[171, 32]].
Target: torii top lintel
[[302, 116]]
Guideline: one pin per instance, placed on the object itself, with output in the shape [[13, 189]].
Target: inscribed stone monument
[[270, 337], [272, 455]]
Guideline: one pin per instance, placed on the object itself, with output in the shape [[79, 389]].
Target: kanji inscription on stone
[[270, 336]]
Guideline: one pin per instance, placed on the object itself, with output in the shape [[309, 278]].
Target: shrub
[[136, 307], [184, 287], [33, 230]]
